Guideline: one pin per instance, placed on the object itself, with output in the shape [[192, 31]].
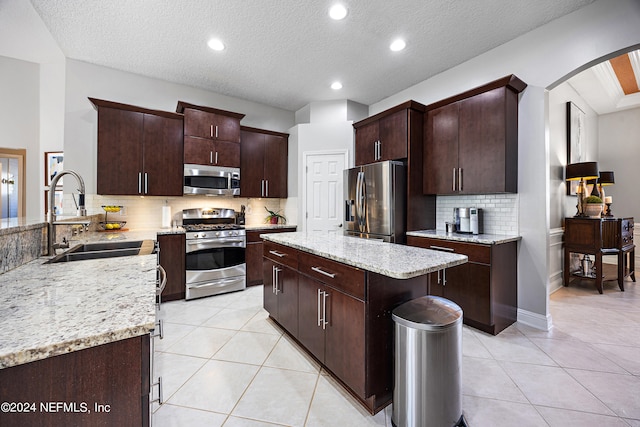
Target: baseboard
[[555, 282], [535, 320]]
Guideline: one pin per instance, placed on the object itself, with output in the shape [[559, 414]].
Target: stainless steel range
[[214, 252]]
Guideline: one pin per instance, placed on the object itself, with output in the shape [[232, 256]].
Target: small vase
[[593, 210], [273, 220]]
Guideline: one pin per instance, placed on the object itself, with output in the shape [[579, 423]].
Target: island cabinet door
[[269, 297], [310, 303], [280, 295], [345, 339]]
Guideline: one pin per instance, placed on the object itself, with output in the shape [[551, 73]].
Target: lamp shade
[[584, 170], [606, 178]]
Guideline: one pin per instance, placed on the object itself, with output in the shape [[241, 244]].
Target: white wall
[[317, 137], [541, 58], [561, 205], [20, 122], [619, 151], [23, 36]]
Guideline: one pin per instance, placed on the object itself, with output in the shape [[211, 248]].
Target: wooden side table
[[598, 237]]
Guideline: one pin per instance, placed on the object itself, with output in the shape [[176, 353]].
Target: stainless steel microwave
[[211, 180]]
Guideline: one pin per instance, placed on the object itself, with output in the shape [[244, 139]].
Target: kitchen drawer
[[347, 279], [281, 254], [476, 253]]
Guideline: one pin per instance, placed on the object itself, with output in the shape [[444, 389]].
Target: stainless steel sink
[[105, 250]]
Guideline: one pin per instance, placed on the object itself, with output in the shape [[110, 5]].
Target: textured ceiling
[[286, 53]]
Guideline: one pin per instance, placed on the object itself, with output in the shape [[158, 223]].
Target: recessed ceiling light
[[397, 45], [336, 85], [215, 44], [337, 12]]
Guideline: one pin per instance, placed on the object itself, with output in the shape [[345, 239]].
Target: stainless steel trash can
[[428, 360]]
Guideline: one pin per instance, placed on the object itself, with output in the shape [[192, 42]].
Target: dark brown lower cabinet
[[172, 259], [486, 287], [343, 318], [106, 385]]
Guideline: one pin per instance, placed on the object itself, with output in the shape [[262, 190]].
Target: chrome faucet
[[51, 240]]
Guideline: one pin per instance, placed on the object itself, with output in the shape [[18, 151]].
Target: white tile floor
[[224, 363]]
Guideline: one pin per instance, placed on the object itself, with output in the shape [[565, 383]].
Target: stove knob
[[217, 233]]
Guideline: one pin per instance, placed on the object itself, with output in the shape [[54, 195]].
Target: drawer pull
[[441, 248], [278, 254], [321, 271]]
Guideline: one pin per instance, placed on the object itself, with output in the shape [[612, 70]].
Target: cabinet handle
[[444, 277], [321, 271], [262, 188], [379, 149], [160, 400], [146, 183], [278, 254], [459, 179], [325, 294], [438, 277], [161, 283], [216, 157], [210, 157], [160, 332], [322, 309], [273, 279], [266, 188], [216, 131], [441, 248], [211, 131], [454, 179], [277, 271], [139, 182], [319, 308]]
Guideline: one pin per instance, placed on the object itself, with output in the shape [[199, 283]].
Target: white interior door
[[323, 191]]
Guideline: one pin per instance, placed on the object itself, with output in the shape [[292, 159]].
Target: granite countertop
[[483, 239], [267, 227], [51, 309], [14, 225], [388, 259]]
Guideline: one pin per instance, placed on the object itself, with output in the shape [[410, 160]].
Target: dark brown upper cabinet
[[471, 141], [385, 136], [398, 134], [263, 163], [211, 136], [139, 150]]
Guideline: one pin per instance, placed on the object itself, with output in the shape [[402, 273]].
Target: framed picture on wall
[[53, 165], [576, 140]]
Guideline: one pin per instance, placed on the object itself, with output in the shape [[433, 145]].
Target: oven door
[[215, 266]]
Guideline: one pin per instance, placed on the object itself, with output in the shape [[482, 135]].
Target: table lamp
[[581, 172], [606, 178]]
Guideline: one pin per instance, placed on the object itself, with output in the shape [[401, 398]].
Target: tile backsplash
[[146, 212], [500, 211]]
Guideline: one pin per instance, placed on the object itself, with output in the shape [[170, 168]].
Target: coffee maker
[[462, 220], [475, 220]]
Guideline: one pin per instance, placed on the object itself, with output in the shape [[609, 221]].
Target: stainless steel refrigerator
[[376, 201]]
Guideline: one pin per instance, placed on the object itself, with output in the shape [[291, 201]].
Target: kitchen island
[[335, 294], [75, 347]]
